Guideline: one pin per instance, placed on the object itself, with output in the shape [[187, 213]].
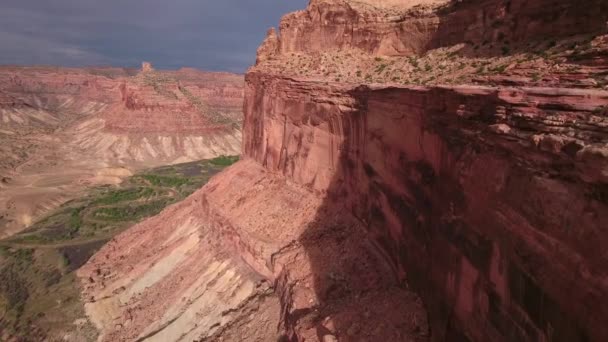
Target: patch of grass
[[225, 160], [131, 212], [165, 181], [75, 222], [121, 195]]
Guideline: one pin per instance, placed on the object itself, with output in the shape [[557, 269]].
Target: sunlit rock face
[[387, 210]]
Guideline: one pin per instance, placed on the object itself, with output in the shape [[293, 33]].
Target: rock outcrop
[[146, 67], [390, 211], [414, 27]]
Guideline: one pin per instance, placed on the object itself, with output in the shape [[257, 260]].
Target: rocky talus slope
[[63, 129], [373, 209]]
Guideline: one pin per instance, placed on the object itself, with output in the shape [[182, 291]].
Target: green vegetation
[[37, 266], [116, 196], [157, 81], [413, 61], [130, 212], [165, 181]]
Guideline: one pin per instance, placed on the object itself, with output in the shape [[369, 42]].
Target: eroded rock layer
[[62, 129], [480, 197], [204, 273], [395, 211], [414, 27]]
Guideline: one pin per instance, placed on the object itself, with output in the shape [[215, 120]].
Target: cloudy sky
[[206, 34]]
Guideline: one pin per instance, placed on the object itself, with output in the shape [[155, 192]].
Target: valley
[[408, 170], [40, 295], [64, 130]]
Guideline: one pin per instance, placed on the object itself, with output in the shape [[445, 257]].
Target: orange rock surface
[[388, 211]]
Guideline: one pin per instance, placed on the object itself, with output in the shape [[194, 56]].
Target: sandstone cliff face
[[390, 212], [205, 273], [472, 193], [414, 27], [485, 199]]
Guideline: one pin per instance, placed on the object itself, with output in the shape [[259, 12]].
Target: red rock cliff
[[414, 27], [489, 201], [368, 205], [473, 194]]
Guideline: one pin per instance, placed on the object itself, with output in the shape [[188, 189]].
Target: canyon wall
[[414, 27], [489, 201], [389, 211], [474, 194]]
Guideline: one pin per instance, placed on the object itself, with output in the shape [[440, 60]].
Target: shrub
[[224, 160], [413, 61], [124, 195], [500, 69]]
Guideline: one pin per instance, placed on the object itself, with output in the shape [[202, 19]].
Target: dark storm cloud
[[212, 35]]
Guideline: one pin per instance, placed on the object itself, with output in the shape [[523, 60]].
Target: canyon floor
[[40, 296]]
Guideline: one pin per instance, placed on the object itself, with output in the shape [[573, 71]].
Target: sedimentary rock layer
[[414, 27], [491, 202], [369, 206], [62, 129], [207, 270]]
